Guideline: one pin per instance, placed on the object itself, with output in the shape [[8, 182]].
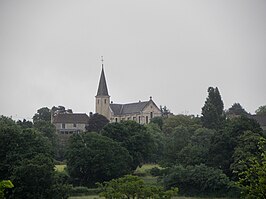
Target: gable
[[151, 107]]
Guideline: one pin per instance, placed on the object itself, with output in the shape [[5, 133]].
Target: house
[[69, 123], [141, 112]]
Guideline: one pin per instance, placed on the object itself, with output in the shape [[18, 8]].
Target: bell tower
[[102, 98]]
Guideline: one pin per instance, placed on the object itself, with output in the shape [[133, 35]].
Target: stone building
[[69, 123], [141, 112]]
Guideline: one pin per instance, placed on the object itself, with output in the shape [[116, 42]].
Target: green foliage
[[157, 145], [95, 158], [190, 122], [236, 110], [261, 110], [61, 188], [224, 143], [42, 114], [129, 187], [96, 123], [5, 184], [212, 111], [253, 179], [197, 149], [197, 180], [158, 121], [33, 178], [134, 137], [24, 124]]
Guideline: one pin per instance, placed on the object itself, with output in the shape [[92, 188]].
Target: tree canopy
[[93, 158], [213, 110], [261, 110]]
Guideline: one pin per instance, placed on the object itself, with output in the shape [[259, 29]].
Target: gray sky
[[172, 50]]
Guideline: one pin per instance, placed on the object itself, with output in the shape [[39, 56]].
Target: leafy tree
[[261, 110], [96, 123], [5, 184], [158, 121], [190, 122], [197, 180], [158, 139], [42, 114], [213, 110], [247, 148], [131, 187], [253, 179], [197, 149], [225, 141], [236, 110], [165, 111], [132, 136], [93, 158], [33, 178], [174, 144], [24, 124]]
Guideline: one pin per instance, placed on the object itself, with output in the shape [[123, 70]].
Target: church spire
[[102, 88]]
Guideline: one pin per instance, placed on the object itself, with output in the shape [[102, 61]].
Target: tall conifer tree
[[213, 110]]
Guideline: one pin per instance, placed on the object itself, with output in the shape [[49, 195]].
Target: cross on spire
[[102, 60]]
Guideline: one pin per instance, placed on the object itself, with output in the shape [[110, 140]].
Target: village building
[[141, 111]]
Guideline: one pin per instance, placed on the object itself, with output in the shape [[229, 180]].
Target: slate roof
[[102, 88], [124, 109], [261, 119], [77, 118]]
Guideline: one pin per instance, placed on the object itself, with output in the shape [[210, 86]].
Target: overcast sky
[[172, 50]]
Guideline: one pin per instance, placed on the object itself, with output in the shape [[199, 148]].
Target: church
[[141, 112]]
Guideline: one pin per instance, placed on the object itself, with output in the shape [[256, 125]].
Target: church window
[[105, 101], [147, 119], [74, 125], [134, 118], [63, 126], [151, 115], [116, 119], [139, 119], [128, 118], [98, 101]]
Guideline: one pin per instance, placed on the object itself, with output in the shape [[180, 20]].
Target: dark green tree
[[236, 110], [134, 137], [33, 178], [213, 115], [93, 158], [197, 180], [96, 123], [42, 114], [24, 123]]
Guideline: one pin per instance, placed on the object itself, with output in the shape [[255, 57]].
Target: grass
[[97, 197], [60, 167]]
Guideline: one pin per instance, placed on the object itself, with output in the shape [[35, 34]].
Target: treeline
[[211, 155]]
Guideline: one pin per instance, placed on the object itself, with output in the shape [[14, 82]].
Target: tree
[[33, 178], [5, 184], [212, 111], [197, 180], [236, 110], [224, 142], [93, 158], [131, 187], [24, 124], [165, 111], [42, 114], [96, 123], [132, 136], [253, 179], [261, 110]]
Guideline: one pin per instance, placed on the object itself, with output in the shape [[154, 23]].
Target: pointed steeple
[[102, 88]]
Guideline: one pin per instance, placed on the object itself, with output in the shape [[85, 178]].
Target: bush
[[196, 180], [83, 191]]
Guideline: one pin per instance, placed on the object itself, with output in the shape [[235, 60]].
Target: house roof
[[261, 119], [102, 88], [124, 109], [81, 118]]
